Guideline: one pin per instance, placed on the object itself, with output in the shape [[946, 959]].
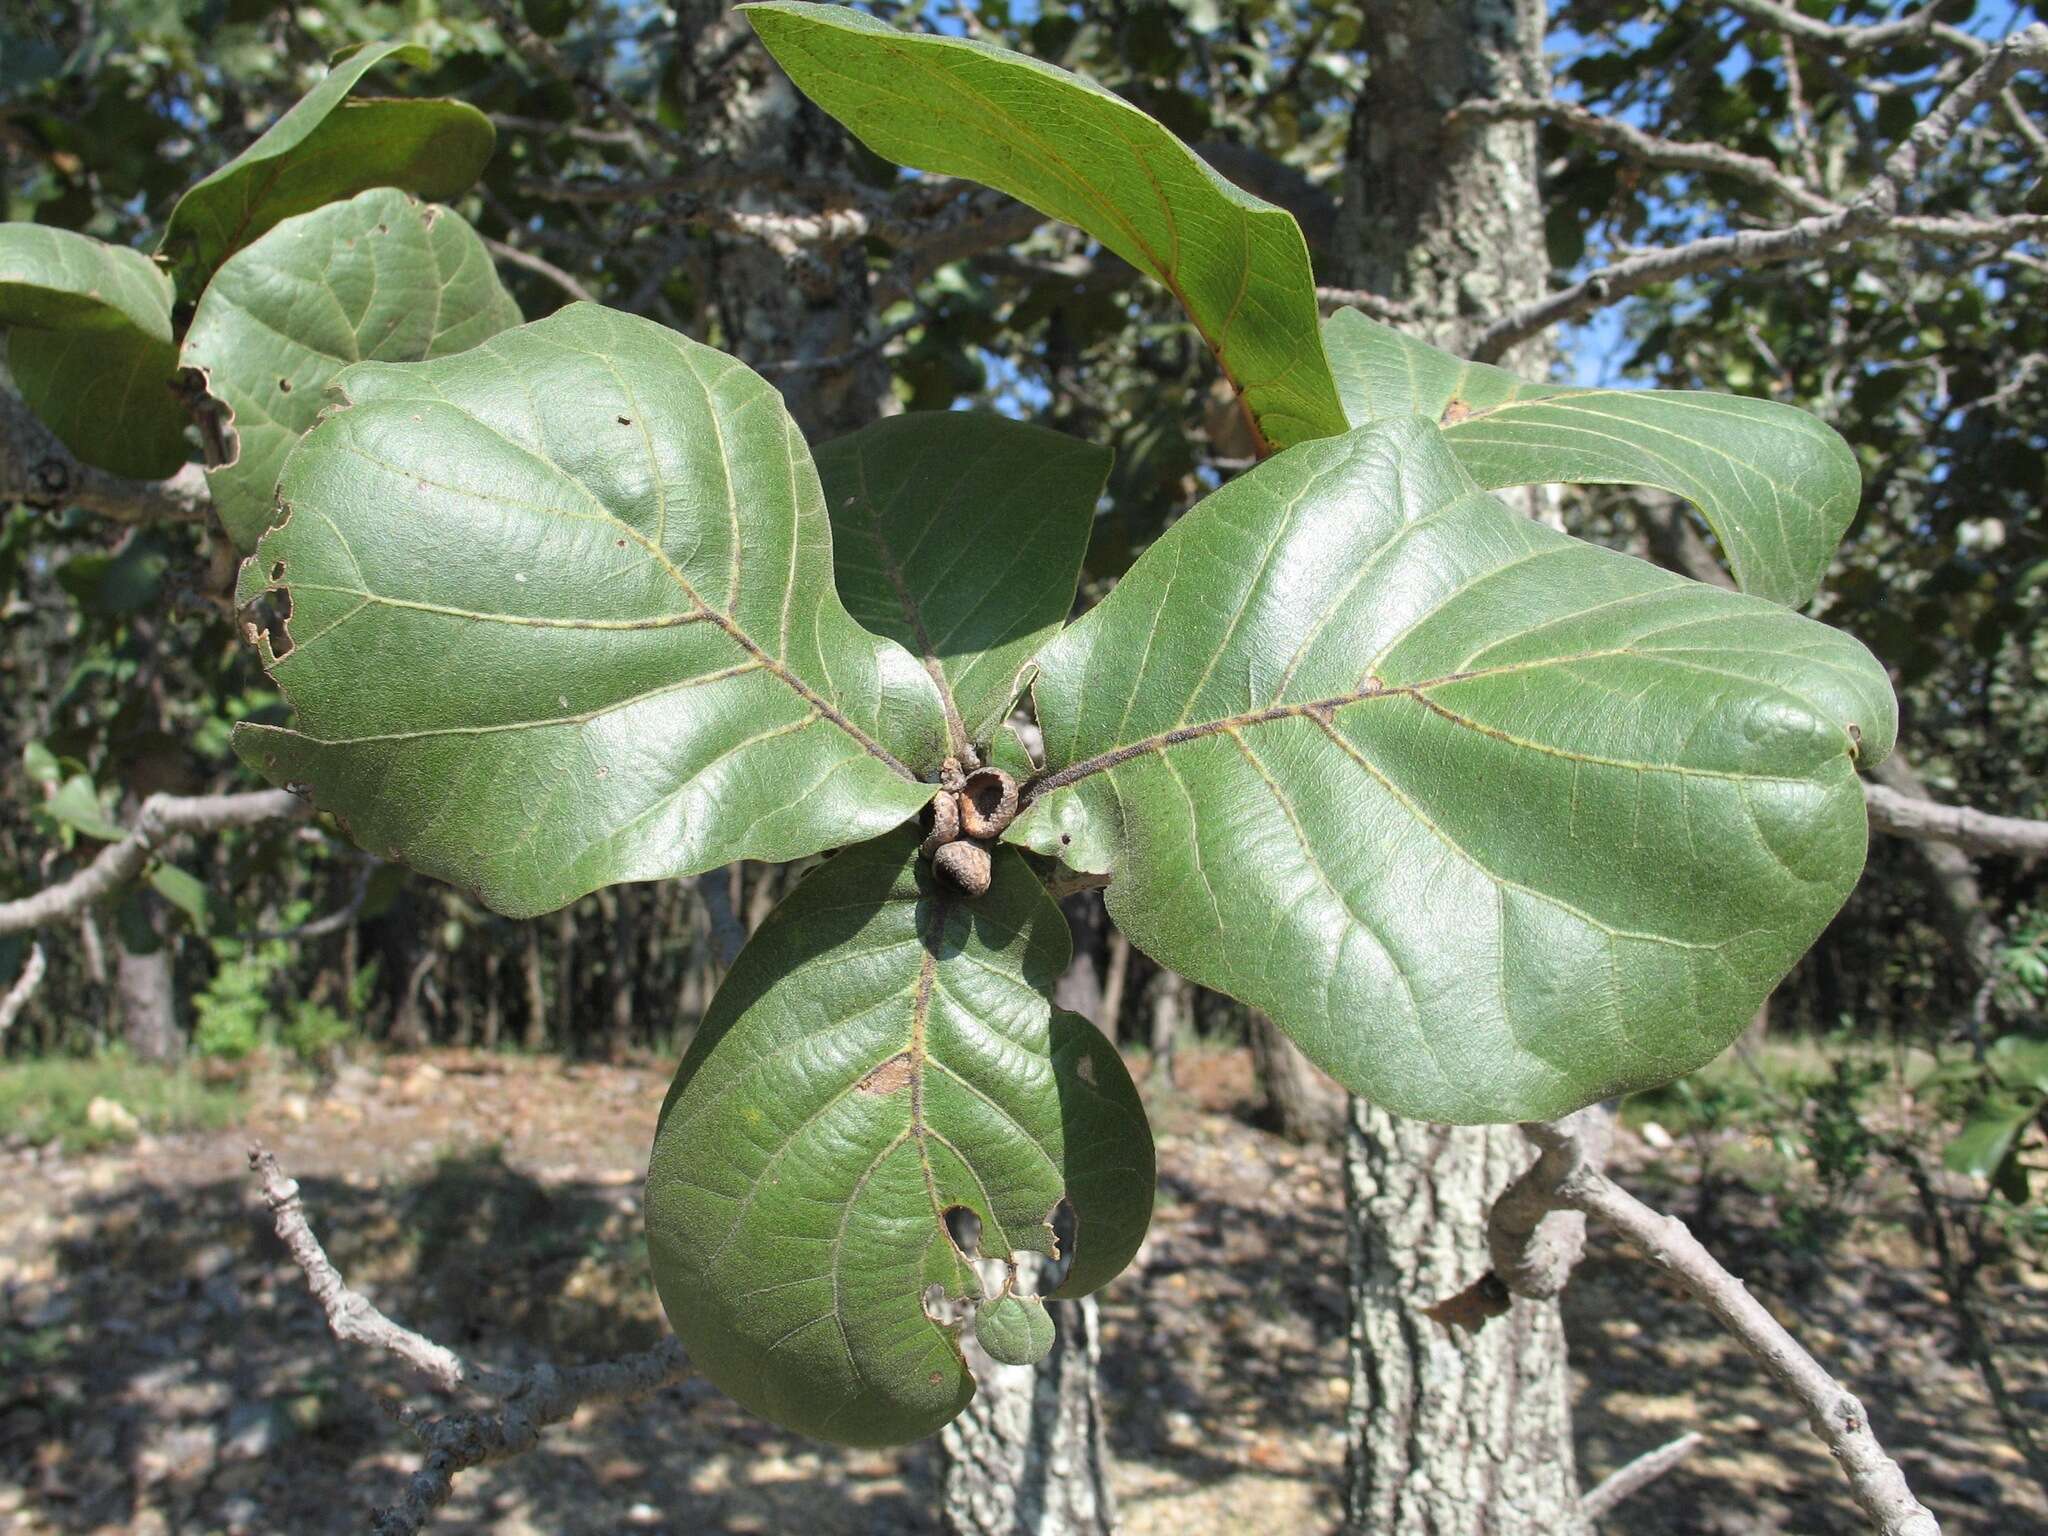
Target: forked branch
[[1877, 211], [1567, 1178], [527, 1401], [162, 817], [38, 470]]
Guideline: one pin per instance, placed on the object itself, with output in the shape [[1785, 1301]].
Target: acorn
[[942, 824], [988, 803], [965, 866]]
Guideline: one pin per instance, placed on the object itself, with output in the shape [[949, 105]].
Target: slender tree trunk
[[494, 996], [536, 1034], [1172, 1002], [1465, 1435], [145, 988], [1114, 977], [1302, 1103]]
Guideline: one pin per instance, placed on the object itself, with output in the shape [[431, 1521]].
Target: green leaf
[[1015, 1330], [381, 277], [1776, 484], [1988, 1137], [324, 149], [1073, 151], [561, 614], [882, 1053], [77, 805], [89, 345], [2020, 1061], [961, 536], [184, 891], [1493, 822]]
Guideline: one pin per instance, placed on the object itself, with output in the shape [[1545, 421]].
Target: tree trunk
[[1027, 1456], [145, 988], [1302, 1103], [1172, 1002], [536, 1034], [1450, 1436]]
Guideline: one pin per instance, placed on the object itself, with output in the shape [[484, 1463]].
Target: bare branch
[[542, 266], [1875, 212], [1674, 154], [528, 1400], [1973, 831], [162, 817], [1840, 39], [1835, 1415], [23, 989], [37, 468], [1377, 305], [1600, 1500]]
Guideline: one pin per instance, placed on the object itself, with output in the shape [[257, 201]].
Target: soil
[[163, 1370]]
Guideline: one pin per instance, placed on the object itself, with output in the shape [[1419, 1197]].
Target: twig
[[37, 469], [1875, 211], [1377, 305], [1837, 1418], [1600, 1499], [1674, 154], [1840, 39], [542, 266], [162, 817], [1971, 830], [23, 989], [528, 1400], [834, 361]]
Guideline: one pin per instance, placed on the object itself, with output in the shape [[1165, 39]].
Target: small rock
[[294, 1108], [253, 1431], [1656, 1136], [105, 1114]]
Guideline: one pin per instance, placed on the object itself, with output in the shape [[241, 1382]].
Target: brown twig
[[541, 266], [1599, 1500], [527, 1401], [1575, 1183]]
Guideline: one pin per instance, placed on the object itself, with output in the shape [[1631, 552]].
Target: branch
[[38, 469], [1600, 1500], [1675, 154], [542, 266], [1839, 39], [1875, 211], [529, 1400], [162, 818], [1837, 1418], [1971, 830], [23, 989], [1377, 305]]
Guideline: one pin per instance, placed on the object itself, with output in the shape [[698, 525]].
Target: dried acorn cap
[[943, 823], [965, 866], [988, 803]]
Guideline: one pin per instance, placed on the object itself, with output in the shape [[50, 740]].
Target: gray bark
[[1027, 1457], [1450, 1435], [146, 992]]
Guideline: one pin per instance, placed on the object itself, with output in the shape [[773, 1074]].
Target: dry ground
[[163, 1370]]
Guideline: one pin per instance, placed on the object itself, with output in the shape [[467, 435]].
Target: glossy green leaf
[[561, 614], [381, 277], [89, 344], [960, 535], [326, 148], [1493, 822], [1073, 151], [1776, 484], [882, 1053], [1015, 1330]]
